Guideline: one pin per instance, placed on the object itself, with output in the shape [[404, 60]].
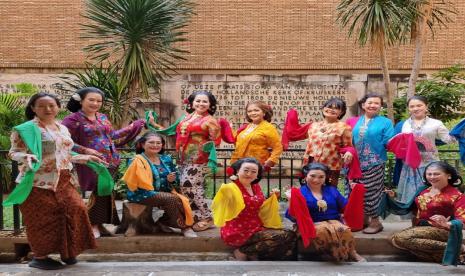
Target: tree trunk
[[420, 41], [387, 82]]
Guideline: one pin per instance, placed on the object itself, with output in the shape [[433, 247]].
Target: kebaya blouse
[[99, 135], [324, 142], [192, 133], [56, 156], [237, 231], [255, 141], [450, 202], [335, 203], [370, 139]]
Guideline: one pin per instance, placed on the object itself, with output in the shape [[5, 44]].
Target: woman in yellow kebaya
[[258, 137]]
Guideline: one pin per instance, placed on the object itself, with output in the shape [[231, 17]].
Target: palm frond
[[141, 36]]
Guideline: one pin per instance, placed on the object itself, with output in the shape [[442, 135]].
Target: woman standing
[[436, 235], [371, 132], [152, 179], [258, 137], [197, 133], [54, 214], [425, 130], [325, 205], [326, 139], [249, 223], [93, 134]]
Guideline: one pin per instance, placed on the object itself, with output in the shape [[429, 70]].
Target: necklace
[[251, 127], [418, 128], [364, 127], [325, 126]]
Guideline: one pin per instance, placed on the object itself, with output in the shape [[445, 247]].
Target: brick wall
[[224, 35]]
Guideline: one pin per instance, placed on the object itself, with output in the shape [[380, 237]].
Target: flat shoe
[[373, 229], [46, 264], [70, 261]]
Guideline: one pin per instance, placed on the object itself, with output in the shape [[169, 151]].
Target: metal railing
[[283, 175]]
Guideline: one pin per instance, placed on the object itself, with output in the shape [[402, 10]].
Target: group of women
[[57, 220]]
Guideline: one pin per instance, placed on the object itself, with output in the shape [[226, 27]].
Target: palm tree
[[381, 24], [140, 36], [429, 13], [105, 78]]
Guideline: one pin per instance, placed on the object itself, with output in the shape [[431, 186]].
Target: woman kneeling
[[151, 180], [325, 205], [436, 233], [248, 222]]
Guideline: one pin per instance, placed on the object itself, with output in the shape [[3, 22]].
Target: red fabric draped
[[354, 166], [298, 209], [404, 147], [353, 212], [293, 131], [226, 131]]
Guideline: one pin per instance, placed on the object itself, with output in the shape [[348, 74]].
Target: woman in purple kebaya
[[93, 134]]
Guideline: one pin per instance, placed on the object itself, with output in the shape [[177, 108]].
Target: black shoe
[[70, 261], [46, 264]]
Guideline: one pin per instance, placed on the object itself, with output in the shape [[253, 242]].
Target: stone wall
[[306, 93], [223, 35]]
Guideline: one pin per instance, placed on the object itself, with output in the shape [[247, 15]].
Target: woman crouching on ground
[[248, 222]]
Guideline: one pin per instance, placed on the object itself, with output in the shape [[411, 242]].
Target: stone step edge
[[186, 257]]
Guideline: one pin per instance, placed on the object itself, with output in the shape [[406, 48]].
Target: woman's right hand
[[153, 123], [29, 159]]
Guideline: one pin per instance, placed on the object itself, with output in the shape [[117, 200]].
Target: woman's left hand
[[97, 160], [347, 157], [440, 221], [269, 163], [277, 192]]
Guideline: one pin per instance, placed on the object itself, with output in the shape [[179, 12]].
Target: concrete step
[[208, 246]]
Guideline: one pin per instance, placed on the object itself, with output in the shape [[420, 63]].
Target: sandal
[[203, 225]]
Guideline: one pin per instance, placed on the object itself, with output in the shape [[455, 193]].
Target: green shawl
[[31, 136]]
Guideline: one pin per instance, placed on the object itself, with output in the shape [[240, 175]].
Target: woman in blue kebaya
[[370, 133]]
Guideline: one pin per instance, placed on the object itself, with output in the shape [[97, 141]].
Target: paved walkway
[[240, 268]]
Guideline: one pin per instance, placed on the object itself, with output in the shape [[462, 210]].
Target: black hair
[[141, 141], [338, 104], [455, 179], [264, 107], [312, 167], [75, 105], [238, 164], [32, 101], [419, 98], [211, 99], [370, 95]]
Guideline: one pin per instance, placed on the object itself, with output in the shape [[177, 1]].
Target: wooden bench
[[138, 219]]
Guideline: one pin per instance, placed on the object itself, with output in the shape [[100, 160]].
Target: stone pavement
[[239, 268]]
